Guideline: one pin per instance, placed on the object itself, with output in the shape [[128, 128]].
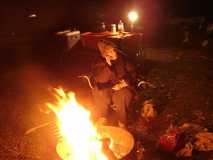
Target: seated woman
[[113, 77]]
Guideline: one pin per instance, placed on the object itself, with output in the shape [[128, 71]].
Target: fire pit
[[80, 139], [122, 140], [117, 135]]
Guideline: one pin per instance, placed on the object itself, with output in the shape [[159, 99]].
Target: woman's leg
[[121, 99], [102, 101]]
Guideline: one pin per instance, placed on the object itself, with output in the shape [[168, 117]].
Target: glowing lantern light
[[133, 17]]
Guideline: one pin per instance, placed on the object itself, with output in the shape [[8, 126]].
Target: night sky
[[53, 15]]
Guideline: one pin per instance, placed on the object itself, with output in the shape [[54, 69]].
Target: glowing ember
[[79, 137]]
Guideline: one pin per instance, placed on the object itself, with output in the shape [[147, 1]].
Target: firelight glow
[[133, 16], [79, 137]]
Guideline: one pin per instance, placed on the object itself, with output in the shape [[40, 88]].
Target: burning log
[[106, 149]]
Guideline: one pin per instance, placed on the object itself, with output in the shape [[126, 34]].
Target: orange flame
[[79, 137]]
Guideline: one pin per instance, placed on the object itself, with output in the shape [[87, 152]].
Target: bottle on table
[[113, 28], [103, 27], [121, 26]]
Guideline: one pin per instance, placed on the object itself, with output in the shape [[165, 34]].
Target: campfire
[[79, 138]]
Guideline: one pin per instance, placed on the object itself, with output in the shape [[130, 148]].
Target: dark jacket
[[105, 76]]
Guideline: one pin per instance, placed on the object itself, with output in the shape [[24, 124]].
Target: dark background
[[53, 15], [20, 34]]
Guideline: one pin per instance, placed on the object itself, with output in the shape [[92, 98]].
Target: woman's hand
[[122, 83]]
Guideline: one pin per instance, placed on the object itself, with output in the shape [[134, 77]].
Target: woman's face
[[111, 53], [108, 52]]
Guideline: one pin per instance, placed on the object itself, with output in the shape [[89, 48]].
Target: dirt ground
[[183, 89]]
